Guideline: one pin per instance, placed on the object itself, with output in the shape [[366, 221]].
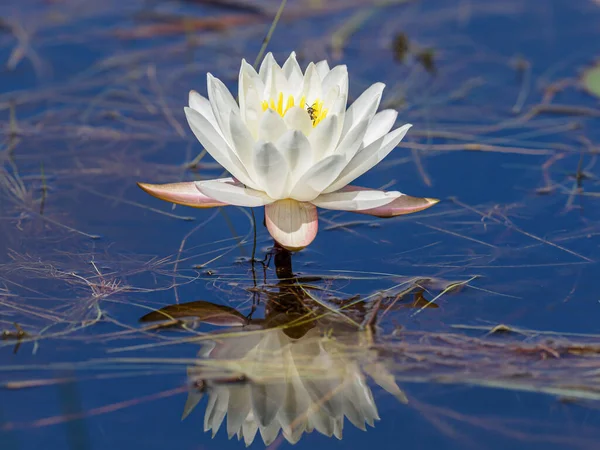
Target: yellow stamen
[[280, 104], [316, 111], [290, 102]]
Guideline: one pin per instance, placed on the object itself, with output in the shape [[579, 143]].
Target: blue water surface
[[98, 103]]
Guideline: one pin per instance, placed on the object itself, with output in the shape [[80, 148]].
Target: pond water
[[471, 324]]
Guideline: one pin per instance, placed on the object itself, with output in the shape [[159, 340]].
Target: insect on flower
[[312, 112], [291, 146]]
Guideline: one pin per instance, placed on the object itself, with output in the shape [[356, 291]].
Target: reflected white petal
[[249, 430], [193, 398], [208, 414], [238, 408], [270, 432]]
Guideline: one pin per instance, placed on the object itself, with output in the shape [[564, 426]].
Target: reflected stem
[[283, 263]]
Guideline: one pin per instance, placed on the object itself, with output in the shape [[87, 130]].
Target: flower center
[[315, 111]]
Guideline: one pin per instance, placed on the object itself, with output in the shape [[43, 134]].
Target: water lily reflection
[[266, 381], [299, 369]]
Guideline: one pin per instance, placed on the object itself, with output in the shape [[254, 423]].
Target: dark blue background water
[[93, 115]]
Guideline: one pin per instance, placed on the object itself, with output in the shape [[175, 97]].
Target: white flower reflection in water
[[264, 381]]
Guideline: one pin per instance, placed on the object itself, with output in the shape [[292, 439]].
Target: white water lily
[[291, 146], [292, 386]]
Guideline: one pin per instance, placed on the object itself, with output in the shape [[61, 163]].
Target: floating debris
[[591, 80]]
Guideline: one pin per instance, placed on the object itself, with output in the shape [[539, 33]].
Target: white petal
[[252, 112], [275, 84], [292, 224], [351, 141], [381, 124], [247, 72], [233, 194], [322, 68], [216, 146], [265, 66], [242, 141], [318, 178], [202, 105], [330, 96], [221, 101], [296, 149], [339, 105], [184, 193], [249, 86], [364, 107], [292, 71], [311, 87], [323, 137], [337, 77], [271, 126], [405, 204], [355, 200], [338, 108], [272, 170], [298, 119], [368, 158]]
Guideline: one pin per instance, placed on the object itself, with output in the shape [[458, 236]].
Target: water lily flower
[[291, 146]]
